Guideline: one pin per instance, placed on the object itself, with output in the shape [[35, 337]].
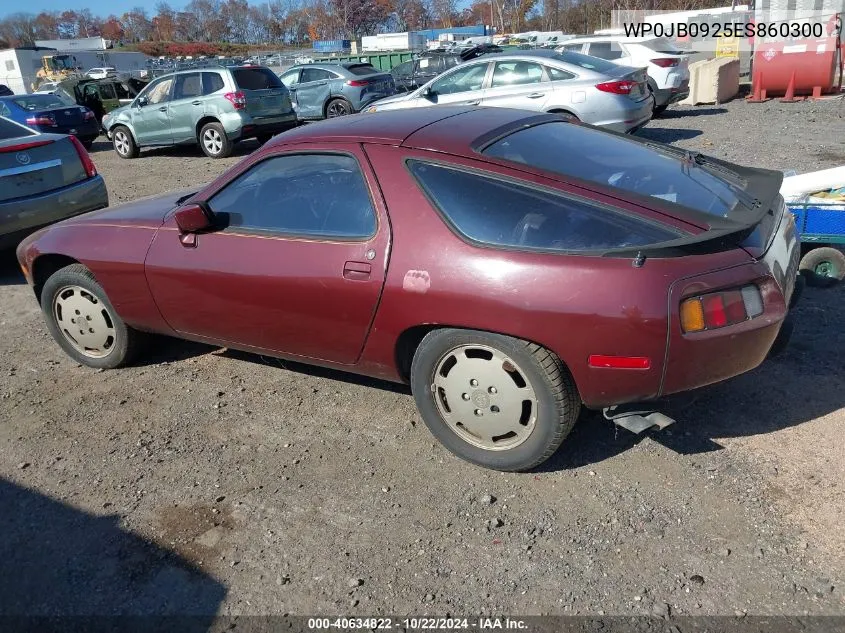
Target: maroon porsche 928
[[511, 267]]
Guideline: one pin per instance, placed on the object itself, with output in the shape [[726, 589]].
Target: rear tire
[[214, 142], [338, 107], [83, 322], [496, 401], [658, 110], [823, 267], [124, 143]]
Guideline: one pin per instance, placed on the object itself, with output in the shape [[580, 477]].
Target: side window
[[321, 195], [159, 92], [403, 70], [572, 48], [4, 110], [121, 90], [556, 74], [516, 73], [211, 83], [314, 74], [188, 86], [107, 91], [504, 213], [461, 80], [290, 78], [604, 50]]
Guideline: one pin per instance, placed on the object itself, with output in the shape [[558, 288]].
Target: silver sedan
[[578, 86]]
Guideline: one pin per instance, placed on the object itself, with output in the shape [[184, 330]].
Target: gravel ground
[[209, 481]]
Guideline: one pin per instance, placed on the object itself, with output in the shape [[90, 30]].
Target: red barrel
[[796, 66]]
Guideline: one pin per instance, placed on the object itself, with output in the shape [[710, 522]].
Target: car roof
[[544, 53], [610, 38], [450, 129]]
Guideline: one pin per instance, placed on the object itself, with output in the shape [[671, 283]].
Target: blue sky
[[98, 7]]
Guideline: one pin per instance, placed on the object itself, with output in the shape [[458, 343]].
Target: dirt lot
[[208, 481]]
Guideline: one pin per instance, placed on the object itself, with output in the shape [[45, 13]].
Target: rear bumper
[[666, 96], [86, 131], [22, 216], [625, 115], [241, 126]]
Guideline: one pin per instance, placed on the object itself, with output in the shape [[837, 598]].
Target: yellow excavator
[[56, 68]]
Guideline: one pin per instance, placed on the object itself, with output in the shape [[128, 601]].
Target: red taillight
[[617, 87], [719, 309], [21, 147], [237, 99], [87, 115], [358, 82], [666, 62], [42, 119], [87, 163]]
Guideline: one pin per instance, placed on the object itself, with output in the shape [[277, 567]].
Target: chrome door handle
[[536, 95], [196, 102], [476, 102]]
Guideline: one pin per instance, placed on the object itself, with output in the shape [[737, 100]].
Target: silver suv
[[214, 107]]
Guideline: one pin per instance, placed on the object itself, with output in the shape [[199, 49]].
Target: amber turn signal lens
[[692, 315]]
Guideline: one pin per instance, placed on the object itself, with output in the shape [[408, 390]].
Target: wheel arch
[[44, 266], [128, 126], [564, 111], [409, 341], [203, 121], [333, 97]]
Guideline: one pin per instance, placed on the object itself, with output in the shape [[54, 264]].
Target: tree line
[[298, 22]]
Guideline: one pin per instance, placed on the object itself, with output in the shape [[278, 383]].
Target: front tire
[[83, 322], [496, 401], [124, 143], [214, 142]]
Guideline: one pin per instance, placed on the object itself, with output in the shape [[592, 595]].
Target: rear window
[[502, 213], [256, 78], [580, 152], [38, 102], [9, 129], [587, 62], [362, 69]]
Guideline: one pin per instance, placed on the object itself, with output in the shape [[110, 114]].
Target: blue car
[[49, 113]]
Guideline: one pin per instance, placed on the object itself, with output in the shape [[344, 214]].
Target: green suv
[[214, 107]]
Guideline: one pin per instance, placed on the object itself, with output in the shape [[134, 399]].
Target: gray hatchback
[[324, 91]]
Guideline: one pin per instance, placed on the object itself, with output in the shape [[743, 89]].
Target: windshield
[[649, 170], [39, 102], [62, 62], [10, 129]]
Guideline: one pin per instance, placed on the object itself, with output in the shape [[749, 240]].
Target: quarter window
[[504, 213], [321, 195], [211, 83], [516, 73], [290, 78], [556, 74]]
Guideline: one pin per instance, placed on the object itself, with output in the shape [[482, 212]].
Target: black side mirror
[[141, 102]]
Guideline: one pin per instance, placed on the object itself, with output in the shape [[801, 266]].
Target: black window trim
[[621, 252], [288, 235]]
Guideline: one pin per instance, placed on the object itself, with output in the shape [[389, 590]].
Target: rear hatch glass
[[362, 69], [32, 165], [265, 93], [707, 193]]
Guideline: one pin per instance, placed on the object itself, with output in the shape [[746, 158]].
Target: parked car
[[49, 113], [414, 73], [101, 73], [460, 249], [324, 91], [5, 91], [214, 107], [44, 178], [45, 87], [667, 65], [576, 86]]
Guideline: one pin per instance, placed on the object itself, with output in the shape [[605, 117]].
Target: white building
[[72, 46]]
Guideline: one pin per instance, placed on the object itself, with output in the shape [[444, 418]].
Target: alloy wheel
[[337, 108], [212, 141], [121, 142]]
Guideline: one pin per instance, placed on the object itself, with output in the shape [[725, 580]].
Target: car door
[[149, 113], [518, 83], [312, 92], [186, 107], [297, 264], [461, 86], [291, 81]]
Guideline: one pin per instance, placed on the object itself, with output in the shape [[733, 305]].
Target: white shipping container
[[393, 42]]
